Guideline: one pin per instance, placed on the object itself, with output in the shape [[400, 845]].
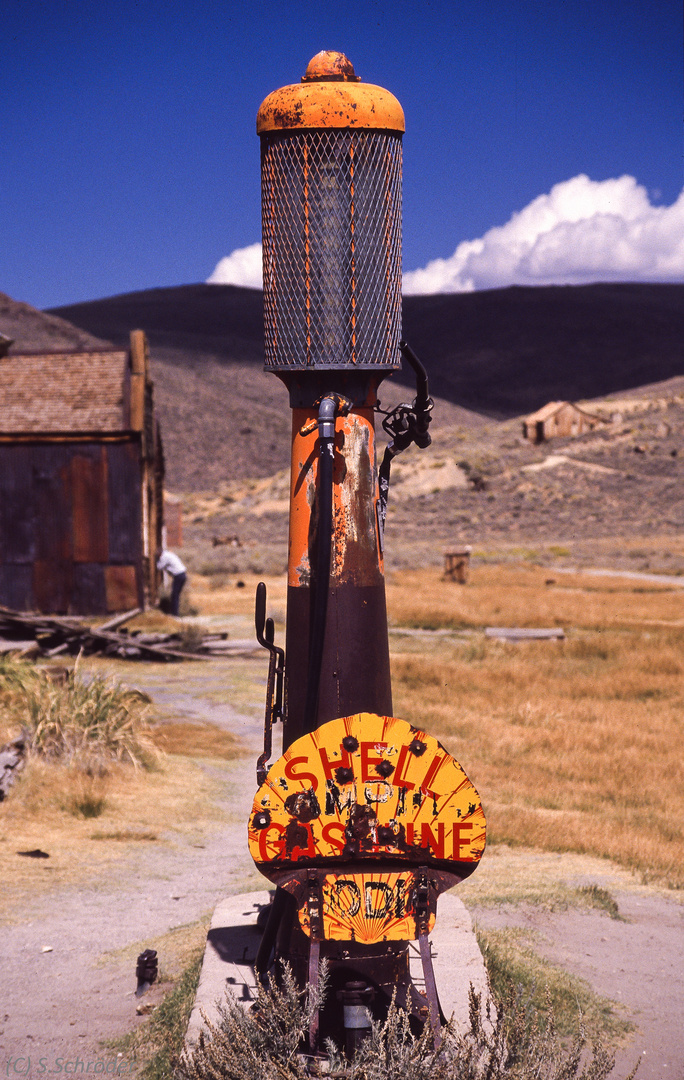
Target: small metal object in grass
[[146, 971]]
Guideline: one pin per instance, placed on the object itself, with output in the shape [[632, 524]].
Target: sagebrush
[[505, 1041]]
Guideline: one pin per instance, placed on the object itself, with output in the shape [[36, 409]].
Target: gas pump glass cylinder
[[331, 222]]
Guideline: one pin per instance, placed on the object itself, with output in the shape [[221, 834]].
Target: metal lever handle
[[260, 613], [265, 633], [405, 424]]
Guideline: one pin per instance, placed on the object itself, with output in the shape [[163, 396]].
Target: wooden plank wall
[[71, 526]]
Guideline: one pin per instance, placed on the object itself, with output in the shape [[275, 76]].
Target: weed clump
[[84, 726], [262, 1042], [600, 898]]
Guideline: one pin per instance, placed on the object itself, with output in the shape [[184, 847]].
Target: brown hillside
[[34, 331], [509, 351], [222, 417], [225, 420], [498, 353], [501, 352]]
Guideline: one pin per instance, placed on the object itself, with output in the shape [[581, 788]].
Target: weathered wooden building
[[81, 481], [558, 418]]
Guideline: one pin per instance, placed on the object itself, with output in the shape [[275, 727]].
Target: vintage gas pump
[[365, 818]]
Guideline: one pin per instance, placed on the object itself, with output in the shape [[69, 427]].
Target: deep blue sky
[[129, 155]]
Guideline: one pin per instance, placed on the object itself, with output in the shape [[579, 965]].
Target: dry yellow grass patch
[[212, 597], [574, 745], [179, 797], [519, 596], [196, 740]]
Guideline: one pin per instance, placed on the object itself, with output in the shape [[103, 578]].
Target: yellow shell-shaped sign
[[366, 789], [367, 907]]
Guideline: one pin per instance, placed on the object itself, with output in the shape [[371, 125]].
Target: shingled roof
[[64, 392], [553, 407]]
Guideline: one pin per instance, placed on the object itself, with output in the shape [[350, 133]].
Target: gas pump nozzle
[[422, 403], [406, 424]]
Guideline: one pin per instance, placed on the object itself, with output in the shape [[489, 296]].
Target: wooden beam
[[139, 378], [520, 633]]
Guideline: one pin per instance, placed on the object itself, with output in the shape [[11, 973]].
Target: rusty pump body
[[365, 819]]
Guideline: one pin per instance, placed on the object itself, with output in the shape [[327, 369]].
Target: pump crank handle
[[265, 632], [260, 614], [265, 629]]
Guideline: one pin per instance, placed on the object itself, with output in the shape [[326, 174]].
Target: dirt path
[[637, 961], [58, 1006], [63, 1003]]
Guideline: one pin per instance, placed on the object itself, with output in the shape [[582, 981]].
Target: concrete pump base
[[233, 941]]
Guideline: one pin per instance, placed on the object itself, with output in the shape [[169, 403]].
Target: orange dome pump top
[[330, 95]]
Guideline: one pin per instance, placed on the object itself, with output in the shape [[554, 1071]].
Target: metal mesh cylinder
[[331, 222]]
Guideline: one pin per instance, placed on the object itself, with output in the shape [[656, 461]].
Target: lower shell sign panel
[[367, 907]]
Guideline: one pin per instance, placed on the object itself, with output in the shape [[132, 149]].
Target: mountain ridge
[[498, 352]]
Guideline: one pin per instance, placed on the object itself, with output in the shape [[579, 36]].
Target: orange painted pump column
[[331, 227], [355, 670]]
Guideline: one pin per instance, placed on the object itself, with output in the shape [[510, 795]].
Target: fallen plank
[[16, 646], [524, 633], [119, 620]]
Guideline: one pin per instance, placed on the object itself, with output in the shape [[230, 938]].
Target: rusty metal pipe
[[327, 411], [354, 666]]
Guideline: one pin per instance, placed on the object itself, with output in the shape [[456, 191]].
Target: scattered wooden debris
[[51, 635], [520, 633], [119, 620]]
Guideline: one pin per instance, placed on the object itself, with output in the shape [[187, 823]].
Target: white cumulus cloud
[[582, 231], [241, 267]]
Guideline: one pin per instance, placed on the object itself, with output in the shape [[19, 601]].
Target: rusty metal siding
[[124, 507], [16, 586], [67, 512], [88, 593], [52, 586], [51, 496], [124, 490], [122, 587], [17, 513], [89, 504]]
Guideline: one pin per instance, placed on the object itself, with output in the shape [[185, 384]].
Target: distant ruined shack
[[556, 419], [81, 475]]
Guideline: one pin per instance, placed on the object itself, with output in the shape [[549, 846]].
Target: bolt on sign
[[365, 821]]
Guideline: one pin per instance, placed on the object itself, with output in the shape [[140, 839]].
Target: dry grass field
[[531, 595], [574, 745]]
